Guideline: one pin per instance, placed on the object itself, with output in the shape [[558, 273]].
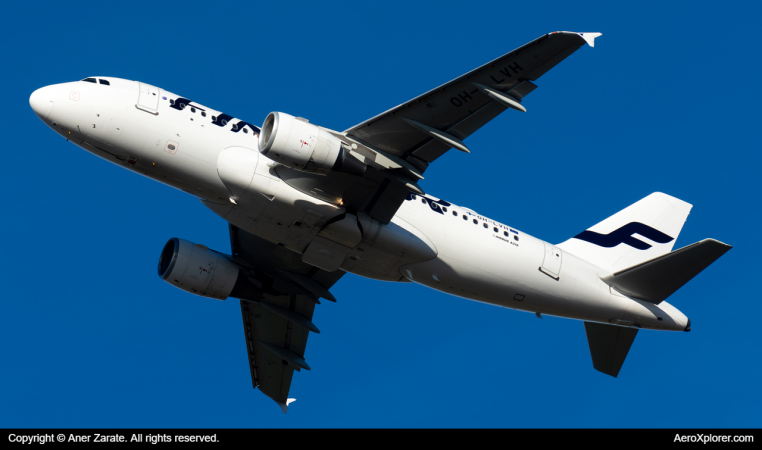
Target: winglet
[[590, 38], [284, 406]]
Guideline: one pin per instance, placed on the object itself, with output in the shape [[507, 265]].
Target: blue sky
[[667, 101]]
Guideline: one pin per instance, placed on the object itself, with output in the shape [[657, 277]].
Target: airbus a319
[[306, 204]]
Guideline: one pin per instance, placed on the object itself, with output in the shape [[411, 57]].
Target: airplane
[[306, 204]]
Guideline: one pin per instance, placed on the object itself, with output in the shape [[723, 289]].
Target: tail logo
[[623, 235]]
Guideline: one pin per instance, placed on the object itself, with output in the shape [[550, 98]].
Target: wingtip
[[284, 406], [590, 38]]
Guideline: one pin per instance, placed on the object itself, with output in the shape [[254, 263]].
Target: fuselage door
[[148, 98], [551, 262]]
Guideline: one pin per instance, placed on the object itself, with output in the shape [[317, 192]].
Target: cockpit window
[[90, 80], [104, 82]]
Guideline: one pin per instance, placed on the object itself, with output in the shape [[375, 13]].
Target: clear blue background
[[669, 100]]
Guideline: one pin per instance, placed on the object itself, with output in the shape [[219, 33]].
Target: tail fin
[[612, 244]]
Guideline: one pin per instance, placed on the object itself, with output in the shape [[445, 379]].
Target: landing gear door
[[148, 98], [551, 262]]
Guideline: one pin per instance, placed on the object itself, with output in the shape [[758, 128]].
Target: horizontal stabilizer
[[609, 345], [655, 280]]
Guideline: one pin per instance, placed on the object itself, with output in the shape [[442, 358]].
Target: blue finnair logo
[[623, 235]]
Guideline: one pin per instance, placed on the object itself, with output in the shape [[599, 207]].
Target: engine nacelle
[[300, 145], [196, 269]]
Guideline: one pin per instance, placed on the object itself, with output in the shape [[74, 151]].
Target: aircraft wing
[[277, 325], [455, 110], [399, 144]]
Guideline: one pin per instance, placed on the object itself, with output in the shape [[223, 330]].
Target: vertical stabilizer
[[638, 233]]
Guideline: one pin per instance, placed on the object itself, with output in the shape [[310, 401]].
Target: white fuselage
[[440, 245]]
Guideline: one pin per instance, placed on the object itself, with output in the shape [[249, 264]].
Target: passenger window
[[245, 131], [516, 237], [203, 114], [464, 217], [224, 122], [171, 102], [444, 209], [494, 229], [455, 213], [505, 233], [214, 119], [193, 110], [183, 105], [89, 80], [423, 201], [104, 82], [476, 222], [485, 225]]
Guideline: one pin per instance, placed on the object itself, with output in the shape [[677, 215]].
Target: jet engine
[[296, 143], [196, 269]]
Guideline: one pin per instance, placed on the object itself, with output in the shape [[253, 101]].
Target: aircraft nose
[[42, 100]]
